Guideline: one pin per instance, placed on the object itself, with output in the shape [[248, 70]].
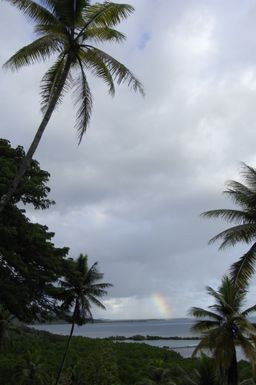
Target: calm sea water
[[164, 328]]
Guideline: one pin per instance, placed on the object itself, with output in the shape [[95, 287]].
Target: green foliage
[[225, 326], [81, 289], [100, 362], [92, 361], [244, 223], [33, 187], [30, 264]]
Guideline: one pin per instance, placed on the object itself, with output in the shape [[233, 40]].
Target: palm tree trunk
[[233, 371], [27, 160], [65, 353]]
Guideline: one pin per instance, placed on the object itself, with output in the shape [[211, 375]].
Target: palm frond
[[98, 68], [37, 51], [240, 233], [242, 270], [51, 82], [93, 274], [249, 311], [249, 175], [57, 30], [106, 14], [118, 71], [102, 34], [240, 194], [247, 347], [231, 296], [205, 325], [229, 215], [100, 286], [249, 329], [222, 299], [96, 302], [34, 11], [203, 345], [79, 7], [202, 313], [83, 102]]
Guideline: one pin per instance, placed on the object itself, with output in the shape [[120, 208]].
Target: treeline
[[139, 337]]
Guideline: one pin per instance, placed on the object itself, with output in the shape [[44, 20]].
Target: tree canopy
[[30, 264]]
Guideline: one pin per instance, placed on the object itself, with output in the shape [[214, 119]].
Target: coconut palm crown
[[72, 31], [82, 288], [244, 223], [224, 326]]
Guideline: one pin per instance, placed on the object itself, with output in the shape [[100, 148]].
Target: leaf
[[117, 70], [242, 270], [83, 102], [51, 82], [37, 51]]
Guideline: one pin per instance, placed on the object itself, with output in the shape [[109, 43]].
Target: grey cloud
[[130, 195]]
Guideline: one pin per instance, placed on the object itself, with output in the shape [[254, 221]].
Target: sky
[[130, 196]]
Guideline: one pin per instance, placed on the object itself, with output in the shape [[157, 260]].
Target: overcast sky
[[131, 194]]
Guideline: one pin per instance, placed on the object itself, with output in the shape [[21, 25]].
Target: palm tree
[[225, 326], [68, 29], [244, 220], [81, 290]]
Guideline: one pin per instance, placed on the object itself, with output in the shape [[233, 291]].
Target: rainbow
[[162, 305]]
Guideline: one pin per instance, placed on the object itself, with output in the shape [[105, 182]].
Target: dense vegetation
[[30, 263], [96, 361]]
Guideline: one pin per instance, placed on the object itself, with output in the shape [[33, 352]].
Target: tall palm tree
[[225, 326], [244, 220], [68, 29], [81, 289]]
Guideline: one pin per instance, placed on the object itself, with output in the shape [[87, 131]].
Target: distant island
[[56, 320], [139, 337]]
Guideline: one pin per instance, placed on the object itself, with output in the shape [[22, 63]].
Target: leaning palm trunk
[[65, 353], [28, 158]]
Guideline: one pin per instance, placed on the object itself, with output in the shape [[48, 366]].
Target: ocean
[[179, 327]]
